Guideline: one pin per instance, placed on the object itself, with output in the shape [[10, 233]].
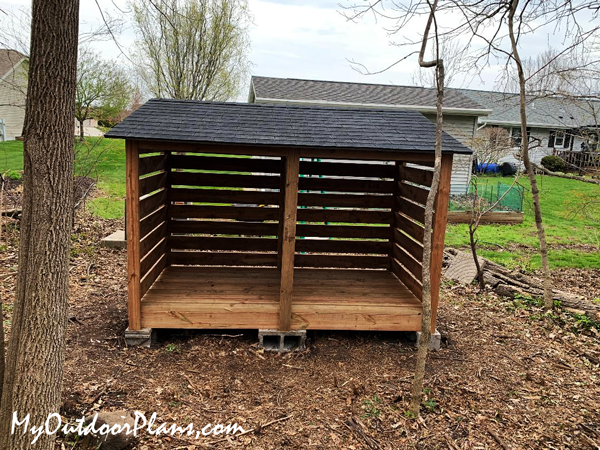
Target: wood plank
[[344, 231], [222, 243], [413, 229], [350, 321], [153, 183], [220, 227], [346, 185], [407, 279], [346, 200], [342, 261], [348, 169], [345, 216], [153, 274], [134, 294], [151, 221], [413, 192], [152, 202], [223, 212], [152, 238], [414, 248], [223, 259], [281, 218], [342, 246], [408, 262], [153, 256], [504, 217], [410, 209], [288, 238], [224, 180], [223, 196], [151, 164], [422, 177], [438, 236], [222, 163]]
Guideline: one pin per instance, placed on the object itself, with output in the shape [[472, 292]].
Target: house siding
[[12, 102]]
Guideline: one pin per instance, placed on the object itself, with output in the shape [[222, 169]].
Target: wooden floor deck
[[232, 297]]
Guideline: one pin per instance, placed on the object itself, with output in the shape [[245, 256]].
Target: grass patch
[[560, 200]]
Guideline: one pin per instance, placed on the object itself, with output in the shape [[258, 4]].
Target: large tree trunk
[[34, 366], [548, 302], [81, 133]]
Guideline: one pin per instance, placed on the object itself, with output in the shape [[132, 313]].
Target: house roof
[[545, 112], [291, 90], [283, 125], [9, 59]]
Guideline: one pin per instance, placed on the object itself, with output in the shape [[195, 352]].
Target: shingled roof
[[267, 89], [281, 125]]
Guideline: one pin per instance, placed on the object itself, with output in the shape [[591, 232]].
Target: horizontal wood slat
[[224, 180], [223, 212], [153, 163], [412, 210], [225, 164], [407, 261], [407, 279], [150, 222], [346, 185], [218, 227], [418, 176], [413, 229], [342, 246], [347, 169], [346, 200], [223, 259], [363, 262], [153, 274], [413, 192], [223, 243], [411, 246], [153, 183], [223, 196], [152, 238], [153, 256], [343, 231], [152, 202], [347, 216]]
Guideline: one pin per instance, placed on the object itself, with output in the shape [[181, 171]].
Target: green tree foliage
[[103, 88], [192, 49]]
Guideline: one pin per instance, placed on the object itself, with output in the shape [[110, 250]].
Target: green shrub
[[554, 163]]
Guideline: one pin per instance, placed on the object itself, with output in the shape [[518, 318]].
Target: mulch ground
[[507, 376]]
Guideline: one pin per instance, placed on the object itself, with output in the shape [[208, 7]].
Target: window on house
[[559, 139], [515, 134]]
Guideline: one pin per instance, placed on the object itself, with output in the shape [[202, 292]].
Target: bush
[[553, 163]]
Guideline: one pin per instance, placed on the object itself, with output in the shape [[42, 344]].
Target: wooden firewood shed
[[280, 217]]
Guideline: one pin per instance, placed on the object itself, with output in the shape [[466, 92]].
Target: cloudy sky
[[312, 39]]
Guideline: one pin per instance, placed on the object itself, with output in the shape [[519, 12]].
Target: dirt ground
[[507, 376]]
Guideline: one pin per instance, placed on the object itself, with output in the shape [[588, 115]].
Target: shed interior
[[231, 234]]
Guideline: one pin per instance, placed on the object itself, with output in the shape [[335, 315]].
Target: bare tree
[[490, 144], [453, 55], [193, 49], [34, 365]]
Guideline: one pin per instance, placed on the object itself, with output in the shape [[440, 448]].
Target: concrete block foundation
[[434, 344], [282, 341], [144, 337]]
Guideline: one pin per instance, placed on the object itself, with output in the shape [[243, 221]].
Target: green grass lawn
[[98, 158], [565, 227]]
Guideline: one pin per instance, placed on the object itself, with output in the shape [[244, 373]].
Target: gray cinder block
[[282, 341], [435, 342], [144, 337]]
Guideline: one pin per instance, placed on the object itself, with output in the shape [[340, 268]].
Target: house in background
[[13, 93], [555, 124], [461, 114]]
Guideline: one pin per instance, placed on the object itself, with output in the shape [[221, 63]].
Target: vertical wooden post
[[395, 194], [287, 238], [439, 234], [133, 235], [282, 182], [168, 164]]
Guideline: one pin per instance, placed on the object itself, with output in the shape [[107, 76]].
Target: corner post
[[287, 238], [439, 233], [133, 235]]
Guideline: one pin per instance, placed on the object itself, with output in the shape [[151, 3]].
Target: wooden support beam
[[439, 234], [133, 235], [287, 238]]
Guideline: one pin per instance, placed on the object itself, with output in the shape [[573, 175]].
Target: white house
[[13, 93]]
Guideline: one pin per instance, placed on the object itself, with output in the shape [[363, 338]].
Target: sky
[[312, 39]]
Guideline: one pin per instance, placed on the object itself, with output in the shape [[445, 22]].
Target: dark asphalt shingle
[[298, 126]]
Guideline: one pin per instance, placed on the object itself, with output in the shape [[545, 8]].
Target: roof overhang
[[421, 109], [529, 124]]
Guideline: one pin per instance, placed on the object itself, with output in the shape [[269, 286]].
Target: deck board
[[332, 299]]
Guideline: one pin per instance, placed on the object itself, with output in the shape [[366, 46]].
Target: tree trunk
[[34, 366], [81, 134], [473, 243], [548, 302]]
